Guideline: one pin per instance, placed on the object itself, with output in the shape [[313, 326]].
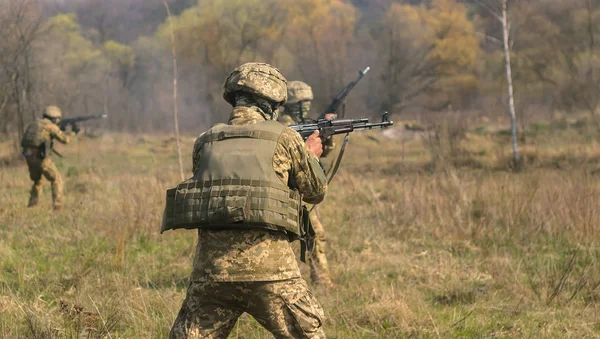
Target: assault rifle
[[327, 128], [64, 123], [339, 99]]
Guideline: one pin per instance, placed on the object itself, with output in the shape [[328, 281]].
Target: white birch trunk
[[511, 99], [175, 109]]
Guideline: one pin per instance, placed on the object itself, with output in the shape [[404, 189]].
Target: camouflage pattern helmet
[[259, 79], [298, 91], [53, 112]]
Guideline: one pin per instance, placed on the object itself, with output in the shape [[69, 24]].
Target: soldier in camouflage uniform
[[296, 111], [37, 146], [250, 176]]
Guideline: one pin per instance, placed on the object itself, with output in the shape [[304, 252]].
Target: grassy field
[[430, 235]]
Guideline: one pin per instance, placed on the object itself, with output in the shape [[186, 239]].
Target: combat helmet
[[259, 79], [53, 112], [298, 91]]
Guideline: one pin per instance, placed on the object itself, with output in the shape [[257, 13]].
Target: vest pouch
[[168, 222], [227, 207]]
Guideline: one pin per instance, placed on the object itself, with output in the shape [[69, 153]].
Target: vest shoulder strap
[[268, 130]]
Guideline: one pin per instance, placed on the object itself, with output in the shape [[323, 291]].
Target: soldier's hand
[[330, 116], [314, 144], [75, 129]]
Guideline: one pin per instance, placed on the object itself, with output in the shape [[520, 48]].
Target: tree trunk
[[175, 110], [511, 99], [17, 97]]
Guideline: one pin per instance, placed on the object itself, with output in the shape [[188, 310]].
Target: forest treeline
[[114, 56]]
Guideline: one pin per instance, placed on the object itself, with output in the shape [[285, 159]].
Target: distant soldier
[[250, 178], [37, 147], [296, 111]]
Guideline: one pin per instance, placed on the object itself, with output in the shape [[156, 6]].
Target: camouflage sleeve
[[196, 153], [306, 173], [56, 133]]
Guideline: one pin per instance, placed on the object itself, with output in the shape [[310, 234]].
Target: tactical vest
[[33, 136], [235, 185]]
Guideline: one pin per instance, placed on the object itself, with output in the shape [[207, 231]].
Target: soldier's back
[[34, 134]]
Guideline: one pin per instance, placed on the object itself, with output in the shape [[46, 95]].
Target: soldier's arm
[[306, 173], [58, 134]]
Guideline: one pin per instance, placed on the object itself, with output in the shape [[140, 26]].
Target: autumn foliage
[[113, 57]]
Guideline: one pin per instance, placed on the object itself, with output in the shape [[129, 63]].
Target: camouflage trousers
[[319, 268], [286, 308], [44, 167]]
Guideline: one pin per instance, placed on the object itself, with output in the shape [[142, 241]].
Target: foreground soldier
[[296, 111], [245, 196], [37, 147]]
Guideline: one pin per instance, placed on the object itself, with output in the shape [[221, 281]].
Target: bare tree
[[175, 111], [509, 84], [20, 28], [408, 73], [428, 54], [502, 16], [582, 87]]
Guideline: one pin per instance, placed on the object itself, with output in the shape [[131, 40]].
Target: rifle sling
[[338, 161], [57, 153]]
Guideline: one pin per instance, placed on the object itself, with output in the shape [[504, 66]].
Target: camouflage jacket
[[43, 131], [257, 255]]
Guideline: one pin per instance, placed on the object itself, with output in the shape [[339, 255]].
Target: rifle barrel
[[374, 125]]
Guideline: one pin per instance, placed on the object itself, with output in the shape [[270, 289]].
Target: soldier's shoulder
[[286, 119], [33, 123], [48, 124], [291, 136], [199, 140]]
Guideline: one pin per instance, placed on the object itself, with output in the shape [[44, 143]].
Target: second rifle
[[339, 99]]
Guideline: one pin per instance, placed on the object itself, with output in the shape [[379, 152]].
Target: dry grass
[[419, 249]]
